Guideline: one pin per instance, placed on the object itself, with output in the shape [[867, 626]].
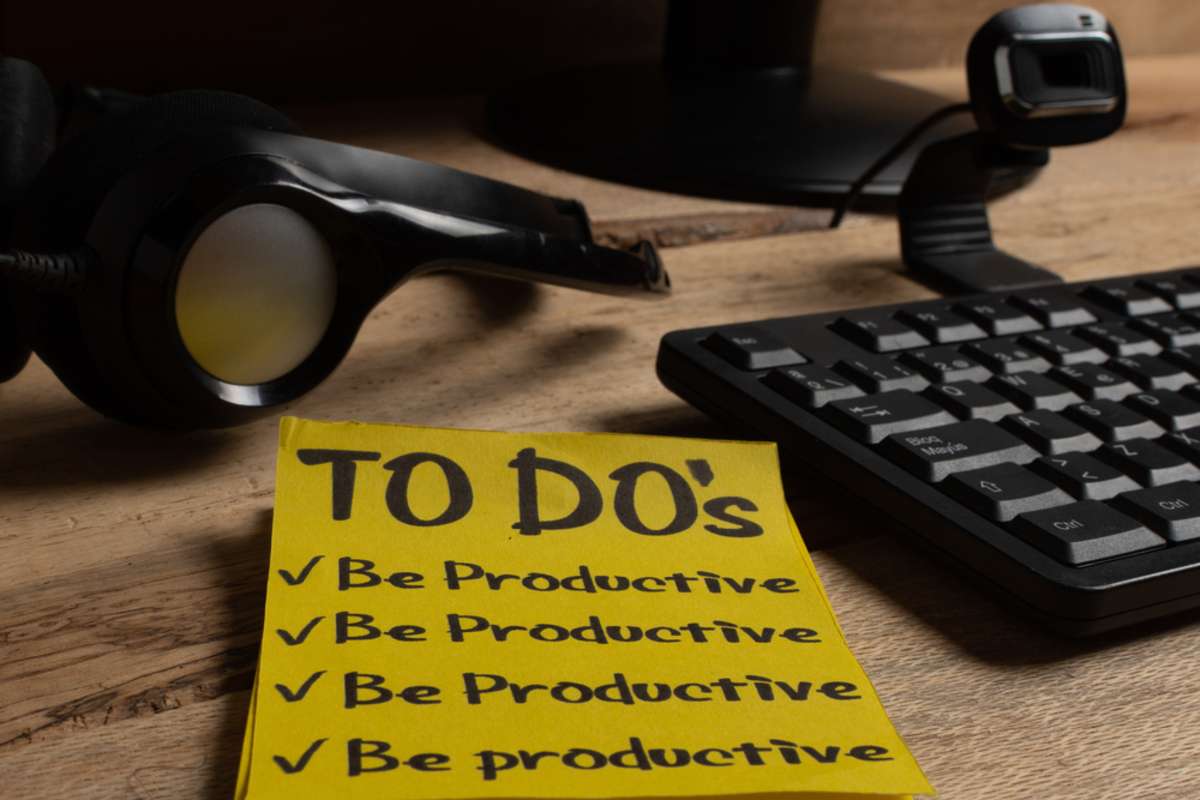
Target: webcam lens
[[1078, 75], [255, 293]]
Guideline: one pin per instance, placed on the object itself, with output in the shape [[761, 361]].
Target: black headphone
[[190, 261]]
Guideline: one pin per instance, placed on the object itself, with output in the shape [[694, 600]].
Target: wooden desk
[[133, 563]]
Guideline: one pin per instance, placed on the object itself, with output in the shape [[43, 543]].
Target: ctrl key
[[1085, 532], [1172, 510]]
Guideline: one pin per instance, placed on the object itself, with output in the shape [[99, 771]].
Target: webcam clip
[[945, 236]]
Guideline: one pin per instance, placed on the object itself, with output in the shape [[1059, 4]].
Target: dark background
[[302, 51]]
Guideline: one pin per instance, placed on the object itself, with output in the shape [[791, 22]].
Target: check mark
[[300, 577], [298, 694], [293, 639], [290, 768]]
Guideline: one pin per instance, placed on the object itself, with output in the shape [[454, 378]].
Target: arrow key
[[1003, 491]]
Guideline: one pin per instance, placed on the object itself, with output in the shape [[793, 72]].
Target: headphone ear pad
[[59, 208], [69, 190], [27, 124]]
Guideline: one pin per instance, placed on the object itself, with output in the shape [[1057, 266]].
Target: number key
[[881, 374], [812, 386], [1006, 356], [945, 364]]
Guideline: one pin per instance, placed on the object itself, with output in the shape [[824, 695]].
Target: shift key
[[939, 452]]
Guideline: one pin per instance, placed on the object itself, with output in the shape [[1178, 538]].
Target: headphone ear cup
[[59, 208], [27, 125]]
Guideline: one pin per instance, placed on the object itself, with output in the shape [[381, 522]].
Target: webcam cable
[[895, 151]]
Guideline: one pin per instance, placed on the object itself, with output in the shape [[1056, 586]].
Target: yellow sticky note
[[466, 614]]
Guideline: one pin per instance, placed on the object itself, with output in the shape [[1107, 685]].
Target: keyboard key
[[878, 331], [1148, 463], [1118, 340], [1186, 357], [872, 419], [1085, 532], [1179, 330], [1005, 356], [1050, 433], [1113, 422], [750, 347], [1093, 382], [1004, 491], [1127, 299], [881, 374], [1060, 347], [1054, 309], [941, 325], [1152, 372], [1186, 443], [945, 365], [811, 386], [1176, 292], [1169, 409], [1171, 511], [998, 319], [968, 400], [1084, 476], [1031, 390], [938, 452]]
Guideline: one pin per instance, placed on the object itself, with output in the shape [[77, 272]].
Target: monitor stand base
[[786, 135]]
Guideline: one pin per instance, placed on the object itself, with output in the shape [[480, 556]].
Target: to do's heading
[[726, 515]]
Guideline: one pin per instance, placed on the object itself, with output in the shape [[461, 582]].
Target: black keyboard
[[1047, 441]]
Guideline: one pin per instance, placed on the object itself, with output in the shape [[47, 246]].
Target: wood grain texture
[[132, 563]]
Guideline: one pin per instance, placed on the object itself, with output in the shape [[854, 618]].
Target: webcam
[[1046, 75], [1039, 76]]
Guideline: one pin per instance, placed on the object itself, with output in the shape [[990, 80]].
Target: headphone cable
[[55, 272], [885, 160]]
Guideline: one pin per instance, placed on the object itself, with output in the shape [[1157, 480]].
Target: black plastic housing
[[1047, 75], [1073, 600], [386, 218]]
